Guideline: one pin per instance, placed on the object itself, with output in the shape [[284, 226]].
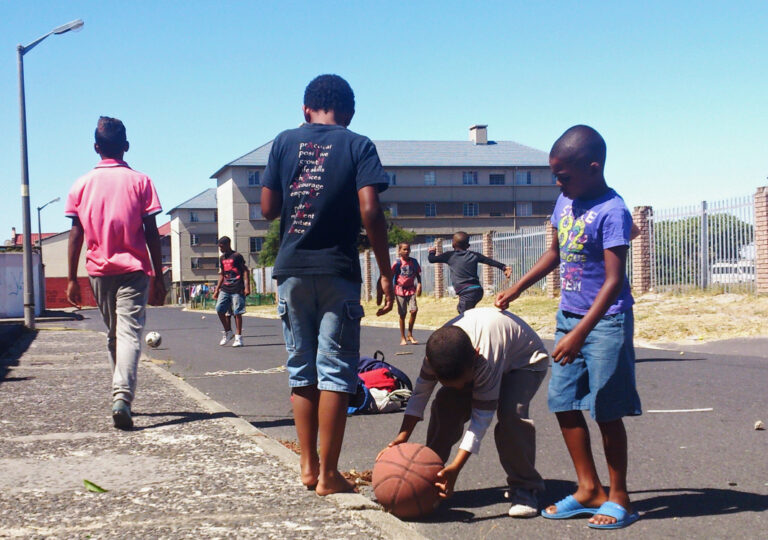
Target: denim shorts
[[601, 379], [234, 300], [321, 326]]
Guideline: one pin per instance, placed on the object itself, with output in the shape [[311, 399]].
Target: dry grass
[[694, 317]]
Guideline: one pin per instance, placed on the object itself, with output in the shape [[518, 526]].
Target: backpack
[[389, 388], [360, 401], [377, 362]]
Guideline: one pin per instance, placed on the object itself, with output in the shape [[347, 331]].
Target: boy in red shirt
[[406, 272]]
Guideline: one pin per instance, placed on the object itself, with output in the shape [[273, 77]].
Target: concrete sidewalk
[[189, 469]]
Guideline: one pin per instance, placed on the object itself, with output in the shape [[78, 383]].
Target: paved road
[[692, 474]]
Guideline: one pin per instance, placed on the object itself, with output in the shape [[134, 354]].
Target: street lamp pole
[[40, 230], [29, 295]]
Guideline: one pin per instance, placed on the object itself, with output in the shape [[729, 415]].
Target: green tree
[[395, 234], [271, 244]]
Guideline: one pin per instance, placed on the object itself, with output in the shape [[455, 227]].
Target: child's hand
[[432, 250], [73, 294], [448, 477], [568, 347], [505, 297], [418, 289], [401, 438], [507, 272], [384, 293], [157, 291], [215, 293]]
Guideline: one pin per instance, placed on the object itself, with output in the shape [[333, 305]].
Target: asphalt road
[[692, 474]]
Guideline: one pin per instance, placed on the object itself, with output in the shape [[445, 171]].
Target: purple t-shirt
[[584, 230]]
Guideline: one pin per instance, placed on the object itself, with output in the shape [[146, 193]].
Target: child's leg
[[402, 331], [225, 323], [332, 414], [402, 306], [305, 417], [451, 409], [411, 322], [469, 298], [615, 445]]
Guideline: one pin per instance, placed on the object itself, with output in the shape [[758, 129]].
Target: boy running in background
[[488, 361], [113, 208], [233, 287], [406, 272], [594, 359], [463, 264], [323, 181]]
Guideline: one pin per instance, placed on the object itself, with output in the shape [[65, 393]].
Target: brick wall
[[56, 293], [641, 251], [761, 239], [553, 278]]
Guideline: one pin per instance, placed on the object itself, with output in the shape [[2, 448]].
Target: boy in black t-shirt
[[323, 181], [233, 286], [463, 264]]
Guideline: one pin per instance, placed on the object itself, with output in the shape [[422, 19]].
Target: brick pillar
[[641, 251], [761, 240], [487, 281], [367, 285], [553, 278], [439, 286]]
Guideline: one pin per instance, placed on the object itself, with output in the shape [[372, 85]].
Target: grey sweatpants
[[515, 433], [122, 301]]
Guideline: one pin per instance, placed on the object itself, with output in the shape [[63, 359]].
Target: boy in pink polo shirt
[[113, 207]]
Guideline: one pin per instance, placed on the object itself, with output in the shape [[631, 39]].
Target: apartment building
[[436, 188]]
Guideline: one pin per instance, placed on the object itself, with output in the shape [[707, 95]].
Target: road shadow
[[14, 342], [681, 359], [182, 417], [277, 422], [697, 502]]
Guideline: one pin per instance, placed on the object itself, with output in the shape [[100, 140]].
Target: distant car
[[728, 273]]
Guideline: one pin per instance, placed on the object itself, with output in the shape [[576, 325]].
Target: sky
[[679, 90]]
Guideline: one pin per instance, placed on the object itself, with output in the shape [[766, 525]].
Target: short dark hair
[[449, 352], [224, 240], [110, 136], [581, 145], [331, 93], [460, 239]]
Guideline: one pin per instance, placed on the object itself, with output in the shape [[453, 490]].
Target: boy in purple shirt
[[594, 361]]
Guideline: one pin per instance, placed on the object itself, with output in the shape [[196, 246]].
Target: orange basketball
[[404, 480]]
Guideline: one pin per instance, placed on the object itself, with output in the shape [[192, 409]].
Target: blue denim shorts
[[321, 326], [227, 300], [601, 379]]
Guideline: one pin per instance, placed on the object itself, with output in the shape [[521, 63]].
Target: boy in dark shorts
[[594, 360], [323, 181], [463, 264], [488, 361], [233, 287], [406, 276]]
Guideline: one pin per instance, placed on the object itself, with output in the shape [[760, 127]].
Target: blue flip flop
[[623, 518], [569, 508]]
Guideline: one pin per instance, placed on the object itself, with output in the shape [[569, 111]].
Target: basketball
[[404, 479], [153, 339]]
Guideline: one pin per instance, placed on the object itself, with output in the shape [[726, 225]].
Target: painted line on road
[[707, 409]]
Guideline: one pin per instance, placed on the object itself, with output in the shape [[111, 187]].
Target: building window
[[430, 239], [430, 210], [254, 211], [524, 209], [471, 209], [430, 178], [253, 178], [392, 209], [469, 178], [497, 214], [523, 178], [204, 263], [554, 179], [391, 178], [496, 179], [194, 217], [194, 240], [255, 244]]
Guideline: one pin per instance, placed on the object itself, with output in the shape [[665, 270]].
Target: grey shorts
[[406, 304]]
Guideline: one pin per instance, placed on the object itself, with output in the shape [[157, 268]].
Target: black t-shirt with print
[[319, 169], [232, 268]]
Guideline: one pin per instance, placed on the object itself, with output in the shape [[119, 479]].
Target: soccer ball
[[153, 339]]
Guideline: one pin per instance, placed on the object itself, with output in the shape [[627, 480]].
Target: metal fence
[[711, 245]]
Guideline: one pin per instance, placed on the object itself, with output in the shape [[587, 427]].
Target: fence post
[[367, 275], [641, 251], [553, 278], [704, 246], [488, 271], [439, 286], [761, 240]]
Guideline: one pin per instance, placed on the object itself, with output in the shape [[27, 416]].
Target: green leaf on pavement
[[90, 486]]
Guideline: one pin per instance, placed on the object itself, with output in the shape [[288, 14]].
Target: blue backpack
[[367, 364]]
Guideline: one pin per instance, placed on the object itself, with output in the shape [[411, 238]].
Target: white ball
[[153, 339]]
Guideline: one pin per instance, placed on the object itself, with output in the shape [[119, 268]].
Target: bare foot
[[403, 342], [310, 471], [586, 499], [601, 519], [413, 340], [334, 483]]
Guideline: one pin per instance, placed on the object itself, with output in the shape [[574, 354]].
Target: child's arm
[[417, 277], [570, 345], [546, 263], [218, 284], [157, 290], [433, 257], [75, 246], [376, 227], [246, 279], [271, 203], [496, 264]]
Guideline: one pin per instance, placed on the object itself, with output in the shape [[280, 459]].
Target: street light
[[39, 228], [29, 296]]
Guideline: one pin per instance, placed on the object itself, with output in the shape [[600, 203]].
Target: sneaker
[[121, 414], [226, 335], [238, 341], [525, 504]]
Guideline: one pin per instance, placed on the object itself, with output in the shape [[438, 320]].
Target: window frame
[[468, 178], [470, 205]]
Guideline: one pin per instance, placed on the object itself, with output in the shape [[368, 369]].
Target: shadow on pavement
[[183, 418], [14, 341], [278, 422], [681, 359], [693, 502]]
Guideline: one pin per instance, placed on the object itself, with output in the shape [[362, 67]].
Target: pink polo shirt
[[111, 202]]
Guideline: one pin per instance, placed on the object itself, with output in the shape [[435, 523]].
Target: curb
[[390, 526]]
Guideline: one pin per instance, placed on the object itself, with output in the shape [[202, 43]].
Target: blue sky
[[678, 89]]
